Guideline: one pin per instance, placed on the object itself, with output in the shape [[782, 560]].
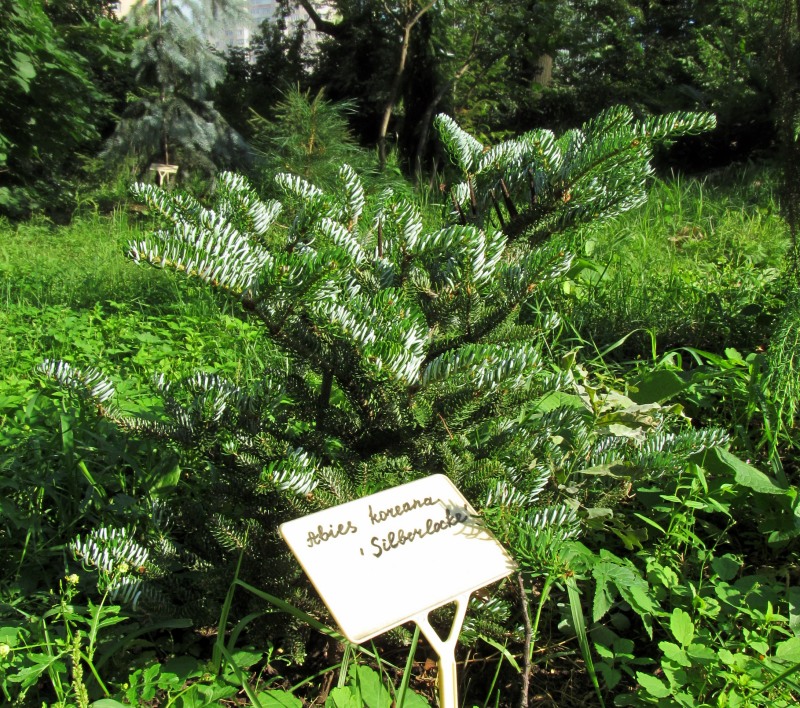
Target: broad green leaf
[[606, 572], [789, 650], [749, 476], [726, 567], [166, 482], [681, 626], [343, 697], [8, 635], [611, 676], [414, 700], [639, 597], [724, 462], [245, 659], [674, 653], [557, 399], [794, 609], [279, 699], [655, 687], [657, 386], [373, 692], [701, 654], [108, 703], [182, 666], [30, 674], [24, 68]]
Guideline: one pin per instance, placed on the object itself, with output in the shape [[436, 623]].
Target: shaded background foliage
[[75, 73]]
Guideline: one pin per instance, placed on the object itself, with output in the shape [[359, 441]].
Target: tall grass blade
[[580, 628]]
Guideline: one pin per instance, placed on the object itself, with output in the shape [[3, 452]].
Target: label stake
[[393, 557]]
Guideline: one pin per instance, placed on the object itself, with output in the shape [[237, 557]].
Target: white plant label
[[391, 557]]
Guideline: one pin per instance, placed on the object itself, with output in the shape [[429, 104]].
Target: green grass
[[700, 264], [70, 293], [76, 265]]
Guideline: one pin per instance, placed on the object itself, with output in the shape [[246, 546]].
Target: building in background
[[238, 32], [124, 7]]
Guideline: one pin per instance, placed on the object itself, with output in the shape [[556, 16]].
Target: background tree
[[659, 57], [309, 137], [172, 117], [256, 78], [507, 66], [60, 70]]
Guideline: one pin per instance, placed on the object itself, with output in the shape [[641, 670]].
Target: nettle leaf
[[681, 626], [654, 686], [607, 573]]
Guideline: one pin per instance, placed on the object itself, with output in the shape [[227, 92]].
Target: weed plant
[[700, 264]]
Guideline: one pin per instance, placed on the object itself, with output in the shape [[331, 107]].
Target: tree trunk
[[320, 25], [392, 100], [544, 75], [427, 118], [398, 76]]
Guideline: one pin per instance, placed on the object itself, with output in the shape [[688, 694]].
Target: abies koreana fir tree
[[394, 350]]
